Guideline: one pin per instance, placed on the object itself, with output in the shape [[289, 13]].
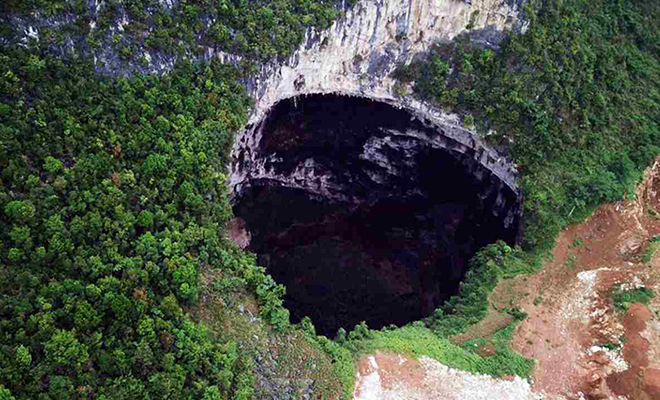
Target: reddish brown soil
[[576, 313], [572, 329], [635, 380], [652, 383], [238, 233], [394, 368]]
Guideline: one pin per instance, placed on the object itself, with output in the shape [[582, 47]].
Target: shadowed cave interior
[[365, 213]]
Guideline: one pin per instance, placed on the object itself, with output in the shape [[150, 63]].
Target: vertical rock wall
[[365, 214], [357, 55]]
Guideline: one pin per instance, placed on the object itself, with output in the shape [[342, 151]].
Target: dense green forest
[[575, 103], [113, 199], [254, 29], [113, 196]]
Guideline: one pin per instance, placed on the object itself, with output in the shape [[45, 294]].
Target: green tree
[[64, 351], [5, 394]]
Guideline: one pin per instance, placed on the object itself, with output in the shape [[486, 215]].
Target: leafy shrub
[[651, 248], [104, 227], [622, 298]]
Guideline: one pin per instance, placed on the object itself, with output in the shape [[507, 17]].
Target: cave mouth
[[365, 213]]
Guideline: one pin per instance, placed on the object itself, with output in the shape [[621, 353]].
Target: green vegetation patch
[[623, 298], [289, 359], [343, 356], [574, 101], [651, 249], [416, 340]]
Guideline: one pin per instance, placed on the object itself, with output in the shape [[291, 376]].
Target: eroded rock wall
[[366, 214], [357, 55]]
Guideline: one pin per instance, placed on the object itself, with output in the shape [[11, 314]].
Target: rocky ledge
[[364, 212]]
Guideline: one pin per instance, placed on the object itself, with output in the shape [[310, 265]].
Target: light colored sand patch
[[370, 388], [617, 363], [394, 377], [652, 334], [582, 298], [464, 385], [372, 361], [635, 284]]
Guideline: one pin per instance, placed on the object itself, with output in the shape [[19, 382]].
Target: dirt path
[[583, 347]]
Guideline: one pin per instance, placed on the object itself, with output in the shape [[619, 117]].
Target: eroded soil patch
[[584, 347]]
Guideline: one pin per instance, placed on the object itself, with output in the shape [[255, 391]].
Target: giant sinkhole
[[363, 211]]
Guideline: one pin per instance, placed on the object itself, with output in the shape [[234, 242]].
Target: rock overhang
[[250, 159], [347, 200], [357, 55], [385, 154]]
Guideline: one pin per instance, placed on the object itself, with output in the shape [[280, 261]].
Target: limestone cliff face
[[357, 55]]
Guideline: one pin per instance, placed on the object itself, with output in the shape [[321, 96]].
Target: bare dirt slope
[[584, 348]]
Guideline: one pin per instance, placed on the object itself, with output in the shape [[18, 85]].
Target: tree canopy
[[113, 191]]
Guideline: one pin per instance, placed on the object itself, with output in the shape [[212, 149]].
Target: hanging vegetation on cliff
[[575, 101], [113, 197]]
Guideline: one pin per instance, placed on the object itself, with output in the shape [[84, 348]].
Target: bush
[[98, 264], [622, 298]]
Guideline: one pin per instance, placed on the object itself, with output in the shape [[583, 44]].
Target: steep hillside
[[592, 318], [130, 129]]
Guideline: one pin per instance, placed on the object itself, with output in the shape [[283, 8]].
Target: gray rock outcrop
[[357, 55]]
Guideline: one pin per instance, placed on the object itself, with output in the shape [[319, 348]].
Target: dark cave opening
[[365, 213]]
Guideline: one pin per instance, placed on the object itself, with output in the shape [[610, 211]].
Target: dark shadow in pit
[[386, 233]]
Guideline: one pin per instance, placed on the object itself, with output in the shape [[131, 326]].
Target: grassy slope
[[99, 258], [575, 103]]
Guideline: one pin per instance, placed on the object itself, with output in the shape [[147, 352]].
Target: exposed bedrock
[[369, 207], [357, 55], [365, 212]]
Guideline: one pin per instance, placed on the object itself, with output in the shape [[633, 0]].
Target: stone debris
[[612, 357], [397, 378]]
